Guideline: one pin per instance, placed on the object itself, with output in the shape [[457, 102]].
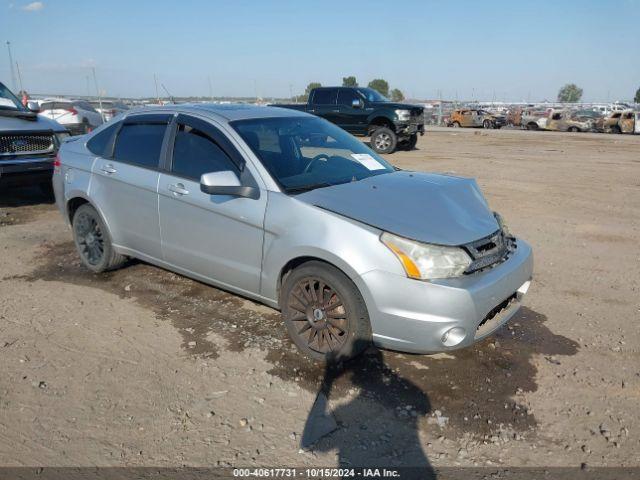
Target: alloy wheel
[[90, 238], [318, 315], [383, 141]]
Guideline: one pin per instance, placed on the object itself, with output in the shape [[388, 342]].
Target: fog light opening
[[453, 336]]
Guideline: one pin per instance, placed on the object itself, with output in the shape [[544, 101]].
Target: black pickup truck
[[364, 111], [28, 143]]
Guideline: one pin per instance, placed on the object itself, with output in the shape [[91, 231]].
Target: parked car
[[108, 108], [28, 144], [608, 123], [292, 211], [629, 122], [471, 117], [364, 111], [570, 121], [534, 119], [77, 116]]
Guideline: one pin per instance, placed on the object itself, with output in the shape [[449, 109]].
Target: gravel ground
[[142, 367]]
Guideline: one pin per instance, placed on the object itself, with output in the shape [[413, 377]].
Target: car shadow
[[13, 197]]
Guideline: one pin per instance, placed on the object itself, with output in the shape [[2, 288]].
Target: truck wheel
[[409, 143], [93, 241], [383, 140], [487, 124], [324, 313]]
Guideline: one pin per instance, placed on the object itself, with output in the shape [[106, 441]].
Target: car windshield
[[373, 95], [8, 101], [307, 153]]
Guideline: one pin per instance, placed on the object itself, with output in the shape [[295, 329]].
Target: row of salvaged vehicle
[[566, 120]]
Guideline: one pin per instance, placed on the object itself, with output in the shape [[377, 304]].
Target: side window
[[195, 153], [324, 96], [346, 97], [100, 143], [140, 144]]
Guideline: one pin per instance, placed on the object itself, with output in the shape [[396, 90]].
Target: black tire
[[487, 124], [330, 327], [532, 126], [455, 124], [408, 144], [383, 140], [573, 129], [93, 241], [616, 129]]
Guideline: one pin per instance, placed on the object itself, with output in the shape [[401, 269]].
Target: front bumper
[[25, 171], [412, 316], [407, 129]]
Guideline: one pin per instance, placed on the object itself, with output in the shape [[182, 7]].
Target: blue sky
[[507, 50]]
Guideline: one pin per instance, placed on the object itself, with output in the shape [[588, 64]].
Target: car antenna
[[170, 96]]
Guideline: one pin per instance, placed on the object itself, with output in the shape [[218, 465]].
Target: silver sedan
[[289, 210]]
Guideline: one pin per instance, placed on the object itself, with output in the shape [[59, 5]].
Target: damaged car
[[477, 118], [570, 121], [286, 208]]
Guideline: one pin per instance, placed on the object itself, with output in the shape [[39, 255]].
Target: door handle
[[178, 189], [108, 169]]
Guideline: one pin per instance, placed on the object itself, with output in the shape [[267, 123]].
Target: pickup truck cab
[[28, 143], [365, 112]]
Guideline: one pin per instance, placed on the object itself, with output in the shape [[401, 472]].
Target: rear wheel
[[93, 241], [455, 125], [532, 126], [616, 129], [383, 140], [573, 129], [487, 124], [324, 313]]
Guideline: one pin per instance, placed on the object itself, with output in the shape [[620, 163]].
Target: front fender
[[294, 229]]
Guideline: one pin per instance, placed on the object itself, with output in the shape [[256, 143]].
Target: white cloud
[[33, 7]]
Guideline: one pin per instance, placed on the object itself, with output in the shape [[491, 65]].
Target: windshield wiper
[[306, 188]]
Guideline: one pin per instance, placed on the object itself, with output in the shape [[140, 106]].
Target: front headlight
[[403, 115], [424, 261]]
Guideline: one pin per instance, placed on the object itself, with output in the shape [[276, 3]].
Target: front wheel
[[324, 313], [408, 144], [487, 124], [383, 140], [93, 241]]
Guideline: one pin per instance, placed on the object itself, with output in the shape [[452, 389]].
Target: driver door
[[218, 237]]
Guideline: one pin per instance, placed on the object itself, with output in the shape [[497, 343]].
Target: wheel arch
[[325, 257], [380, 121], [76, 201]]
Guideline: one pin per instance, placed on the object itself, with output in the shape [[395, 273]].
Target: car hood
[[429, 208], [40, 123]]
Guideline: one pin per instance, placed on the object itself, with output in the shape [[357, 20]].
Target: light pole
[[13, 73]]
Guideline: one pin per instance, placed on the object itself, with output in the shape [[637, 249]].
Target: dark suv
[[28, 143], [364, 111]]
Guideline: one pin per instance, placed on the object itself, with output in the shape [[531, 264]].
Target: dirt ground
[[144, 367]]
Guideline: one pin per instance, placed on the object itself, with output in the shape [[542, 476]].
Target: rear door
[[218, 237], [323, 104], [352, 119], [125, 183]]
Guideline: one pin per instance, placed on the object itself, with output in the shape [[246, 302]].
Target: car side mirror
[[33, 106], [226, 183], [357, 103]]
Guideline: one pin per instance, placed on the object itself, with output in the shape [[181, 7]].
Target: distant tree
[[397, 95], [349, 81], [637, 97], [305, 96], [380, 85], [570, 93]]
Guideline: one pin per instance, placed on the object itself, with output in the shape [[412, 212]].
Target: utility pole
[[88, 86], [13, 73], [155, 79], [95, 81], [19, 77], [291, 92]]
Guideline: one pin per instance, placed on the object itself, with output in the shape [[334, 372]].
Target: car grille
[[38, 144], [489, 251]]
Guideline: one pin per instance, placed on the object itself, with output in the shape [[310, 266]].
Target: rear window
[[324, 96], [55, 106], [100, 143], [140, 144]]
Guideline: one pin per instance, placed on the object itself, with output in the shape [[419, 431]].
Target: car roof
[[228, 112]]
